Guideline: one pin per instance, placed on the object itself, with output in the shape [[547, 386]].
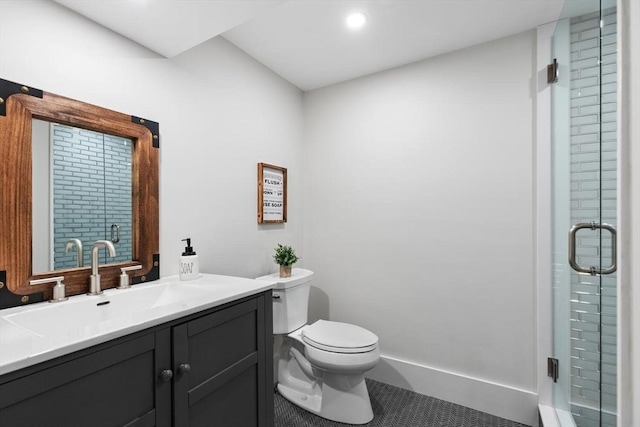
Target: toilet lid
[[339, 337]]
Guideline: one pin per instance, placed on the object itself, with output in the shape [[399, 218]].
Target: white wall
[[419, 220], [220, 113]]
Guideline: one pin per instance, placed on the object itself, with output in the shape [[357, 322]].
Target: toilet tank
[[290, 300]]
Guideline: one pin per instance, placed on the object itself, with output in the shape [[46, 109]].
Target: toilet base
[[341, 398], [309, 402], [332, 387]]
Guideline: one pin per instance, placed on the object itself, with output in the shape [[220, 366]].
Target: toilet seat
[[338, 337]]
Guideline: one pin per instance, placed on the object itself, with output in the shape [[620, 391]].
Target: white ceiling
[[169, 27], [307, 42]]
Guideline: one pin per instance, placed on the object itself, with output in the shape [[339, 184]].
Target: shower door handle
[[572, 248], [115, 233]]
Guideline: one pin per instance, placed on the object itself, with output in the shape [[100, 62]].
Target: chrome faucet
[[80, 252], [94, 288]]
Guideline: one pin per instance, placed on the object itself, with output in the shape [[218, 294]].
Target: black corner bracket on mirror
[[9, 299], [153, 274], [8, 88], [154, 128]]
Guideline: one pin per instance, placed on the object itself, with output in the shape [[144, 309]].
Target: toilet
[[321, 366]]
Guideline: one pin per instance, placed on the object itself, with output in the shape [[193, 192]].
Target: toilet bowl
[[321, 366]]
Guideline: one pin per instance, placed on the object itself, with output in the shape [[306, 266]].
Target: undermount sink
[[88, 314]]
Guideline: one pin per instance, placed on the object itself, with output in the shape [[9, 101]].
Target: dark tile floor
[[395, 407]]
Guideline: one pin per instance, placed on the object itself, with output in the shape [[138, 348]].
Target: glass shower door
[[584, 214]]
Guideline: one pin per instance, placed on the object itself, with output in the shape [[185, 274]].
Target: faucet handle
[[58, 288], [124, 277]]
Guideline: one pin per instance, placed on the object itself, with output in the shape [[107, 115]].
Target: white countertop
[[38, 332]]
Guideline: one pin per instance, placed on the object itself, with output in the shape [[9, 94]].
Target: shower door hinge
[[552, 72], [552, 368]]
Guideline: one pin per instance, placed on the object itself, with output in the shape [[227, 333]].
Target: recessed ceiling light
[[356, 20]]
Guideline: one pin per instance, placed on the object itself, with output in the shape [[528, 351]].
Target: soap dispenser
[[189, 265]]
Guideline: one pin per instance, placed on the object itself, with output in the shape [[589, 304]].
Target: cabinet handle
[[184, 368], [166, 375]]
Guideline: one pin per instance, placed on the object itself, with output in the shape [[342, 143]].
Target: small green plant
[[285, 255]]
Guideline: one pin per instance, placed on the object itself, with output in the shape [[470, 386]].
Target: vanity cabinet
[[207, 369]]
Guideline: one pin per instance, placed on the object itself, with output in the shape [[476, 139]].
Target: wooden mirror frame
[[21, 104]]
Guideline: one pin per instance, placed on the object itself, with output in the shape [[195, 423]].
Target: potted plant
[[285, 257]]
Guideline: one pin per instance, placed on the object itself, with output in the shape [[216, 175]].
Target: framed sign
[[272, 194]]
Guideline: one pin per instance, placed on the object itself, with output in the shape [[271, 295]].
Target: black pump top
[[188, 251]]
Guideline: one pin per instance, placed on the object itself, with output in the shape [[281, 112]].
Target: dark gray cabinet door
[[113, 385], [227, 383]]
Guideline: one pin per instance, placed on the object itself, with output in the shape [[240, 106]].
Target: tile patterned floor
[[395, 407]]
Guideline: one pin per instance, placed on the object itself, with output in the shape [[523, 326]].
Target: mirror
[[27, 222], [81, 194]]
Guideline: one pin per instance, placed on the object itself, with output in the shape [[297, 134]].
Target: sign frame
[[272, 194]]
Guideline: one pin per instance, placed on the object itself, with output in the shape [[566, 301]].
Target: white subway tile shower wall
[[593, 177], [91, 191]]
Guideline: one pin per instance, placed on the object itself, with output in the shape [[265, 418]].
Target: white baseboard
[[497, 399], [549, 416]]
